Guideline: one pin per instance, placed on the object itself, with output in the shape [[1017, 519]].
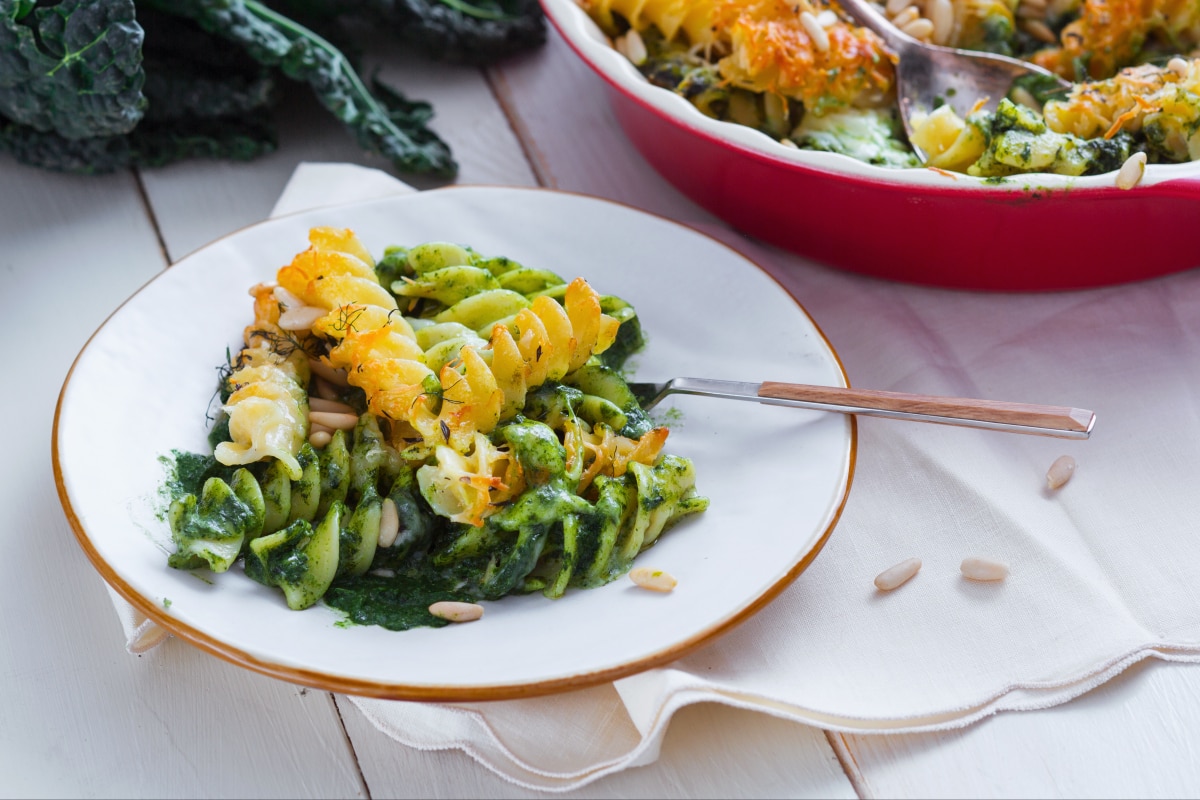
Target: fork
[[1040, 420], [928, 75]]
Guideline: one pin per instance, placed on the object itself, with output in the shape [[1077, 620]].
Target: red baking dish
[[1026, 233]]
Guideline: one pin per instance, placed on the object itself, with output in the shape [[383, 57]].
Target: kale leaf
[[73, 68], [464, 31], [93, 86], [275, 40]]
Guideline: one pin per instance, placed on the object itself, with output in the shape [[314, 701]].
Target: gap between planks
[[845, 757], [146, 204], [362, 778], [498, 84]]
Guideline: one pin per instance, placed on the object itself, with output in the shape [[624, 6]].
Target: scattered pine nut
[[455, 611], [301, 318], [906, 15], [897, 575], [1060, 472], [324, 389], [1039, 30], [1131, 171], [894, 7], [322, 404], [921, 29], [389, 523], [789, 143], [333, 420], [820, 38], [320, 439], [632, 47], [941, 14], [984, 569], [1179, 66], [1024, 97], [653, 579], [828, 18], [1031, 11], [287, 299], [335, 376]]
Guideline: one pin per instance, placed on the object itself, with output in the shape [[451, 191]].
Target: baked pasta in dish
[[437, 426], [803, 73]]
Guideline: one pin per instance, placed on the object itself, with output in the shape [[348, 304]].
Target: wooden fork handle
[[1072, 422]]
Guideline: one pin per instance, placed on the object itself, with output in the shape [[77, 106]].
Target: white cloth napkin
[[1103, 571]]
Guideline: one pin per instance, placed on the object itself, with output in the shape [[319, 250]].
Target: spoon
[[928, 75], [1041, 420]]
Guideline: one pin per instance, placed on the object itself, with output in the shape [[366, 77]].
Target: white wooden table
[[81, 717]]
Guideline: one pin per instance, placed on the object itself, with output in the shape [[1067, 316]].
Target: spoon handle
[[1058, 421]]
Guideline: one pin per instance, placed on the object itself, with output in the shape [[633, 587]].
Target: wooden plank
[[560, 109], [1132, 737], [81, 717], [709, 751]]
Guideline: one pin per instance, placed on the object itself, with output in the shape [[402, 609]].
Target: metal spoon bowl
[[929, 75]]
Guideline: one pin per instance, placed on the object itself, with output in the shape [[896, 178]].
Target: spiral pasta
[[495, 450], [267, 403]]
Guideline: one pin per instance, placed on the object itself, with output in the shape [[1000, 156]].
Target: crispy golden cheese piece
[[1162, 102], [1110, 34], [767, 47]]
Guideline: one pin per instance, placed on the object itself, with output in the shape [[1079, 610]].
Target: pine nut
[[897, 575], [789, 143], [320, 439], [330, 419], [820, 38], [301, 318], [894, 7], [335, 376], [1060, 472], [324, 389], [921, 29], [1024, 97], [287, 299], [653, 579], [321, 404], [314, 428], [1039, 30], [1179, 66], [455, 611], [941, 14], [1031, 11], [632, 47], [983, 569], [828, 18], [1131, 171], [906, 15], [389, 523]]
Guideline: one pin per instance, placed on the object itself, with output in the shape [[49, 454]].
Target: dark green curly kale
[[97, 85], [73, 68], [464, 31], [200, 102], [275, 40]]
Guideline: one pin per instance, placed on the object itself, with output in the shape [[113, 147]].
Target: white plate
[[777, 477]]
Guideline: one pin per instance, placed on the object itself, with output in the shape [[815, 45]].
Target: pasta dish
[[803, 73], [437, 425]]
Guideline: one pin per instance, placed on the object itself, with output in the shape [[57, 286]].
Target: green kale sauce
[[398, 602]]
